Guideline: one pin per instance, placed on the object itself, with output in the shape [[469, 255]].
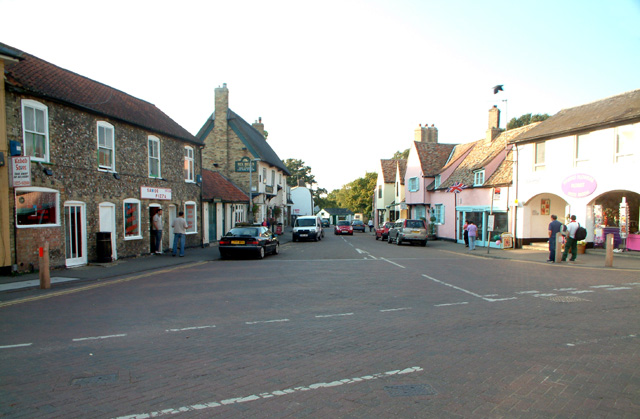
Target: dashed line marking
[[601, 286], [581, 292], [618, 288], [450, 304], [585, 342], [393, 263], [528, 292], [395, 309], [100, 337], [333, 315], [20, 345], [268, 321], [254, 397], [491, 300], [544, 295], [190, 328]]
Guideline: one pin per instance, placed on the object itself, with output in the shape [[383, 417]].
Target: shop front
[[481, 218], [617, 213]]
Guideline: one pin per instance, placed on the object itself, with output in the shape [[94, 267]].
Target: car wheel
[[424, 243], [376, 237], [294, 238], [261, 252], [276, 250], [389, 239], [398, 240], [223, 255]]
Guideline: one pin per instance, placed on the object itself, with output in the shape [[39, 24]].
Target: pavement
[[592, 259]]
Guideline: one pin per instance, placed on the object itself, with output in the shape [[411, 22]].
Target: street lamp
[[251, 220]]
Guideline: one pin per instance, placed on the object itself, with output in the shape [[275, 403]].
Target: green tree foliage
[[401, 155], [526, 119], [299, 171], [356, 195]]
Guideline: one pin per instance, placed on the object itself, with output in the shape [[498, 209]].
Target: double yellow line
[[93, 286]]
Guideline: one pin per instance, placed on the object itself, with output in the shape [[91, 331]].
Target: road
[[345, 327]]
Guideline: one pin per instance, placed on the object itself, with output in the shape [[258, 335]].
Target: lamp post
[[251, 220]]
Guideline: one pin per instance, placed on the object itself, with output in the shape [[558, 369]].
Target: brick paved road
[[347, 327]]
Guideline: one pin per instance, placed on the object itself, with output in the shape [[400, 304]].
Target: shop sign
[[20, 171], [147, 192], [579, 185], [245, 164]]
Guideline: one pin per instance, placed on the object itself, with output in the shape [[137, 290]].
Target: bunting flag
[[456, 187]]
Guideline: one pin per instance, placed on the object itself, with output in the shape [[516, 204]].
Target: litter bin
[[103, 246], [279, 229]]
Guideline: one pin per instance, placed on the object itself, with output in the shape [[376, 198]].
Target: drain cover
[[565, 299], [96, 379], [411, 390]]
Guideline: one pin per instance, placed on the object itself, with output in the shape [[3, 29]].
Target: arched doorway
[[536, 216], [607, 217]]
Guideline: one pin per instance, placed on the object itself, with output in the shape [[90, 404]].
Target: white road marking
[[395, 309], [601, 286], [491, 300], [450, 304], [334, 315], [393, 263], [565, 289], [581, 292], [20, 345], [584, 342], [100, 337], [268, 321], [528, 292], [545, 295], [189, 328], [276, 393], [618, 288], [361, 251]]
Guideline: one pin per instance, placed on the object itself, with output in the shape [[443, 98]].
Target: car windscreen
[[244, 231], [305, 222], [343, 223], [415, 224]]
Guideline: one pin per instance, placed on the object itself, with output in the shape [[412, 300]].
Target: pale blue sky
[[342, 84]]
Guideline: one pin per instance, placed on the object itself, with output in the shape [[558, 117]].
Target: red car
[[382, 232], [344, 227]]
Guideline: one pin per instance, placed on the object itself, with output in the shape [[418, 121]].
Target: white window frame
[[38, 189], [264, 175], [478, 177], [189, 169], [537, 164], [136, 202], [193, 229], [414, 184], [437, 181], [631, 145], [590, 146], [154, 158], [273, 178], [106, 126], [36, 106], [438, 212]]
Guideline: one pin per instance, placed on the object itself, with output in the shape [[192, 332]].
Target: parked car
[[252, 240], [308, 227], [413, 231], [343, 227], [358, 225], [325, 223], [382, 232]]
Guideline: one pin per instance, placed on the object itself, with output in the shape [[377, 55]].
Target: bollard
[[45, 279], [608, 243], [558, 247]]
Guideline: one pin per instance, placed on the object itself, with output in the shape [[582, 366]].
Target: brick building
[[100, 161], [240, 152]]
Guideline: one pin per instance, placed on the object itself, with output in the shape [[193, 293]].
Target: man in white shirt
[[179, 232], [157, 230], [571, 241]]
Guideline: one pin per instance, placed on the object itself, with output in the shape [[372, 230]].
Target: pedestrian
[[572, 243], [473, 231], [158, 224], [555, 227], [370, 225], [466, 233], [179, 233]]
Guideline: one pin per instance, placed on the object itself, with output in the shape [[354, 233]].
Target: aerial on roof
[[612, 111], [33, 76]]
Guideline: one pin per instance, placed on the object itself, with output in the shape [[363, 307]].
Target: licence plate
[[304, 235], [416, 231], [237, 241]]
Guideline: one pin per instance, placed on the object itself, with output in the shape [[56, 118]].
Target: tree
[[526, 119], [357, 195], [299, 172], [401, 155]]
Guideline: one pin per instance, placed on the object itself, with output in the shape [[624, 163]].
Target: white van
[[308, 228]]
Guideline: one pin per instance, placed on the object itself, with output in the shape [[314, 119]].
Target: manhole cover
[[565, 299], [411, 390], [97, 379]]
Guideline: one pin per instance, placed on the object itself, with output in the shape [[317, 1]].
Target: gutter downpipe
[[515, 208]]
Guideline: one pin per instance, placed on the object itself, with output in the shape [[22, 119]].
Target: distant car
[[383, 230], [358, 225], [252, 240], [343, 227], [325, 223], [412, 231]]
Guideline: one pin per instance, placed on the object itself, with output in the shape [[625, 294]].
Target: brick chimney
[[259, 126], [216, 149], [426, 134], [494, 124]]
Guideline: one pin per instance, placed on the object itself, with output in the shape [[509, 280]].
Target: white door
[[75, 234], [172, 216], [108, 223]]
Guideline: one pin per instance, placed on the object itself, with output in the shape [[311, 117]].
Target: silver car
[[412, 231]]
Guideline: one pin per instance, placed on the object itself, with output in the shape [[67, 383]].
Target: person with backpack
[[572, 241]]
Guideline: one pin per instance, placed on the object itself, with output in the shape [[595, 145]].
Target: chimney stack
[[426, 134], [259, 126], [494, 124]]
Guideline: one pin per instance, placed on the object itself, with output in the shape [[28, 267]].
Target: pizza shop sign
[[147, 192], [579, 185]]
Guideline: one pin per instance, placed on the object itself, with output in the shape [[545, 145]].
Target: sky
[[342, 84]]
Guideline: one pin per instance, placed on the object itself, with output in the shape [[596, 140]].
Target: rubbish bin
[[279, 229], [103, 246]]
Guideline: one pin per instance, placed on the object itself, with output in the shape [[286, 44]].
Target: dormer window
[[478, 177]]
